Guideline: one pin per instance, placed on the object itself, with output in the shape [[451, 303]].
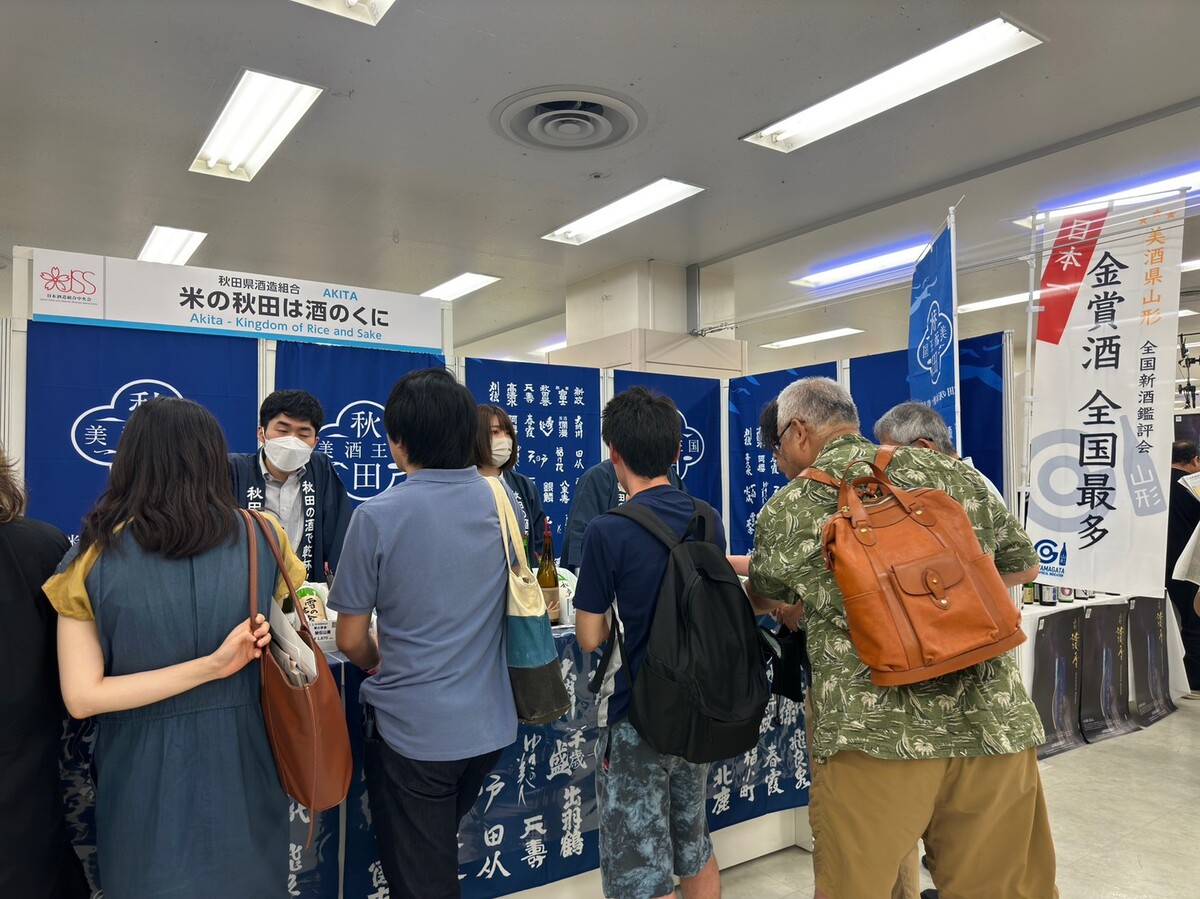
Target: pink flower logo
[[56, 279]]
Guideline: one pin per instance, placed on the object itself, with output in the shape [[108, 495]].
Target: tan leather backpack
[[922, 598]]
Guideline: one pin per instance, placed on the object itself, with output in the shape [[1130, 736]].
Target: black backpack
[[702, 689]]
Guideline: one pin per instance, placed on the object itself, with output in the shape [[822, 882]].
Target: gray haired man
[[915, 424]]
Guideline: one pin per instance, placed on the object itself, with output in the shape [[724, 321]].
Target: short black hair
[[644, 428], [1184, 451], [296, 404], [768, 426], [434, 417]]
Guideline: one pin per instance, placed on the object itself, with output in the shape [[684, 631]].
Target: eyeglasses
[[780, 435]]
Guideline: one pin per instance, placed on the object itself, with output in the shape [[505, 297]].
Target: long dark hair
[[12, 491], [169, 485]]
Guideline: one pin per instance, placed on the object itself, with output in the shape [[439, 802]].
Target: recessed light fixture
[[551, 347], [1140, 193], [174, 246], [467, 282], [650, 199], [871, 265], [966, 54], [1190, 266], [259, 115], [811, 338], [368, 11], [1011, 300]]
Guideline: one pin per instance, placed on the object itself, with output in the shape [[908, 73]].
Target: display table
[[1177, 674], [1100, 668], [535, 822]]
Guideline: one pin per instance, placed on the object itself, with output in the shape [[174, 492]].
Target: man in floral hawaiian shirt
[[951, 759]]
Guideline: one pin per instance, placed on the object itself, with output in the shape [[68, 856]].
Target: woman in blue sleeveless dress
[[154, 640]]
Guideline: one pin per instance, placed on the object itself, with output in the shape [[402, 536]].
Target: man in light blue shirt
[[428, 558]]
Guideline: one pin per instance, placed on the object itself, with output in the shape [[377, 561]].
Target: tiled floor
[[1125, 814]]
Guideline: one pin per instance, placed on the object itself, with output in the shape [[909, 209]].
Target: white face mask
[[501, 450], [287, 453]]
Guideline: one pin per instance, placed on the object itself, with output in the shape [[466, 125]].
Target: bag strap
[[508, 523], [252, 546], [249, 516], [883, 458], [269, 533], [616, 642], [647, 518]]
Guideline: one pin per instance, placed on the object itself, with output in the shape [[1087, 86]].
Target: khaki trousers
[[983, 820], [908, 878]]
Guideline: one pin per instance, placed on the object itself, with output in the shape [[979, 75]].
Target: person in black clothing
[[1183, 518], [597, 491], [36, 858]]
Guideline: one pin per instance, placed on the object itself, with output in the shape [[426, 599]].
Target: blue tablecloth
[[535, 821]]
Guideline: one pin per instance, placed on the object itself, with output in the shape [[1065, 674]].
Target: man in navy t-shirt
[[652, 820]]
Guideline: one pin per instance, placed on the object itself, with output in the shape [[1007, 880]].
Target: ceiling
[[396, 179]]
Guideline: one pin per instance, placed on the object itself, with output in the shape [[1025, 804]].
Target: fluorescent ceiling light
[[650, 199], [979, 48], [1011, 300], [551, 347], [850, 271], [1142, 193], [261, 113], [1184, 313], [1191, 266], [173, 246], [368, 11], [811, 338], [466, 283]]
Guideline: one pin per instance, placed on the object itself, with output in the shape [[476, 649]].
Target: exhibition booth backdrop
[[535, 821]]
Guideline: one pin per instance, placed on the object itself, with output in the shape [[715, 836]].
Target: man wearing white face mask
[[299, 487]]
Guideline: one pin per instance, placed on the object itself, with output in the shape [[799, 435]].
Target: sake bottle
[[547, 575]]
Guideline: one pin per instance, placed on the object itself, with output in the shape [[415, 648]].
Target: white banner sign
[[124, 292], [1104, 395]]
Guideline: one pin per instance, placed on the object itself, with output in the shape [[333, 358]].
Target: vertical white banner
[[1104, 391]]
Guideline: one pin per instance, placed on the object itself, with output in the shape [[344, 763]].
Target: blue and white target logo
[[97, 431], [691, 447], [1051, 552], [356, 443]]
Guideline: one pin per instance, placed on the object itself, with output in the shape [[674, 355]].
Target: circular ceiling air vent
[[568, 118]]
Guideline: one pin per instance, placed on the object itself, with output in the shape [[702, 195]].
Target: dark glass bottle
[[547, 574]]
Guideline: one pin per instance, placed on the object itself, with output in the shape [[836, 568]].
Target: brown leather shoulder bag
[[306, 725]]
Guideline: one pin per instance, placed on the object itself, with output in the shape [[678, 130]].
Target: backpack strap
[[646, 518], [615, 642], [882, 458], [815, 474]]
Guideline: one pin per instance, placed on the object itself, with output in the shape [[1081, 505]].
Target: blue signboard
[[556, 413], [753, 476], [877, 383], [981, 374], [932, 374], [352, 385], [83, 384], [699, 403]]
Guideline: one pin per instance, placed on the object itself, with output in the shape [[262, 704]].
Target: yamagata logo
[[75, 281]]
